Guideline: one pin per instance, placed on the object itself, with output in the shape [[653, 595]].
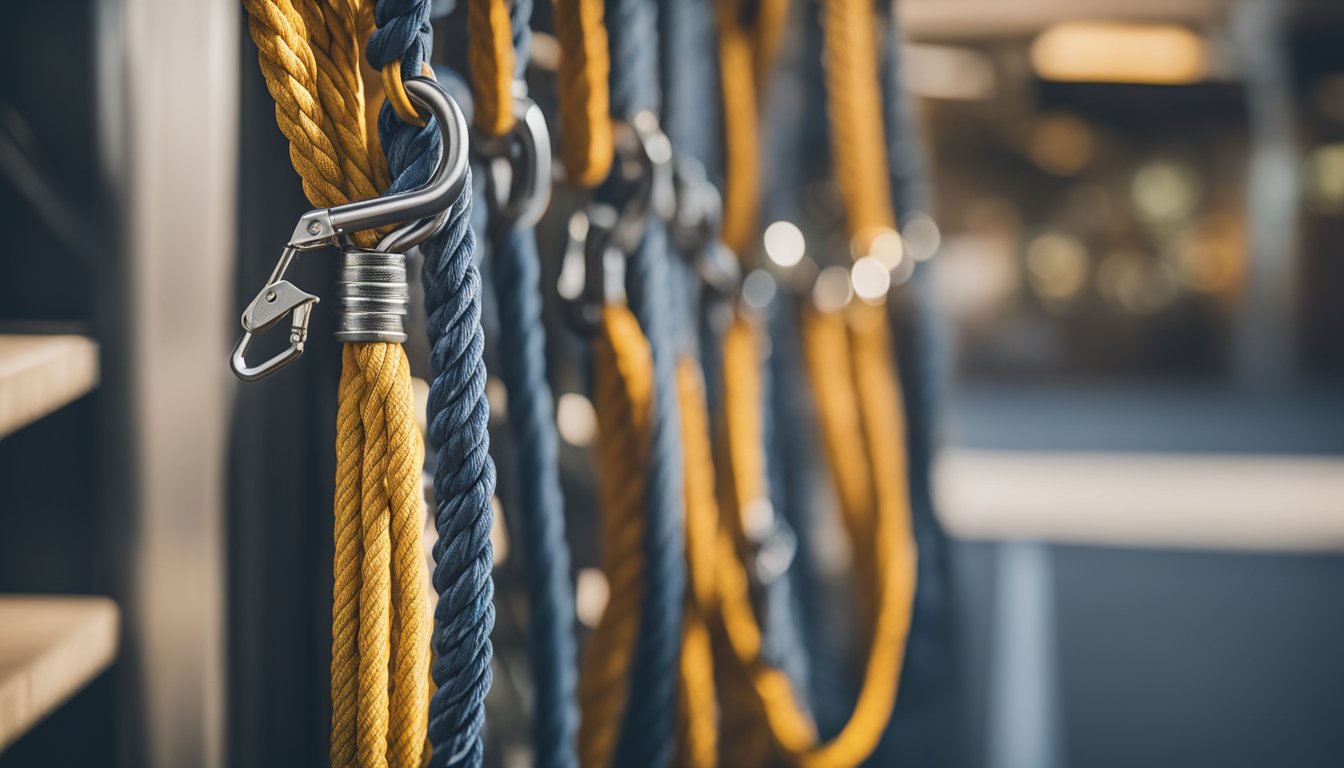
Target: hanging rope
[[498, 39], [698, 741], [309, 56], [586, 146], [647, 731], [624, 386], [464, 474]]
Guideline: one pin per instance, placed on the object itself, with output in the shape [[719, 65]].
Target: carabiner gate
[[422, 210]]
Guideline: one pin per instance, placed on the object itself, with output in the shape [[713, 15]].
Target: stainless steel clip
[[423, 211]]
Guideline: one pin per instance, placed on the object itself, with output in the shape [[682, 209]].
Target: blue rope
[[464, 475], [928, 663], [539, 500], [796, 128], [647, 732]]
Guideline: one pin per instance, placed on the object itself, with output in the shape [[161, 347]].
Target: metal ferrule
[[374, 295]]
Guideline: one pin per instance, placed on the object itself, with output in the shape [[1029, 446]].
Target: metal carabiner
[[696, 225], [278, 299], [326, 225], [644, 156], [423, 210], [518, 168], [593, 230]]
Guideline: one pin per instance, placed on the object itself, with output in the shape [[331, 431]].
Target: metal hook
[[645, 156], [426, 207], [427, 202], [518, 164], [696, 224], [278, 299], [596, 225]]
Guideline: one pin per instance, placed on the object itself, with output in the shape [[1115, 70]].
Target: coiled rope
[[498, 39], [309, 56]]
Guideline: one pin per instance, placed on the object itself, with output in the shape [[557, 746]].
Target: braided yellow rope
[[491, 57], [741, 139], [698, 737], [310, 55], [623, 372], [586, 144], [854, 102]]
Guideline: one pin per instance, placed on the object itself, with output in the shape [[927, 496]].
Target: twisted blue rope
[[796, 129], [464, 475], [539, 500], [928, 663], [647, 732]]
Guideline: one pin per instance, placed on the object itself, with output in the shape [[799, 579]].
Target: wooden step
[[39, 374], [51, 646]]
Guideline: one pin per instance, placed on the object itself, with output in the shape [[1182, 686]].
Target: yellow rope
[[310, 53], [586, 145], [749, 37], [623, 387], [491, 57], [741, 140], [854, 102], [698, 737]]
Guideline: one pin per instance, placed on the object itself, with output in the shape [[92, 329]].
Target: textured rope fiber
[[586, 145], [464, 474], [498, 45], [309, 54], [647, 735], [698, 741], [624, 386]]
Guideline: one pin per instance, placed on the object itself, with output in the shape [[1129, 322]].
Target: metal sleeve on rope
[[373, 293]]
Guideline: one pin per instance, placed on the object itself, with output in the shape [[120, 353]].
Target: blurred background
[[1133, 250]]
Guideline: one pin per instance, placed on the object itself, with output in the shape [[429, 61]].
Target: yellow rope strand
[[310, 53], [623, 372], [586, 146], [741, 140], [345, 564], [854, 102], [491, 57], [698, 737]]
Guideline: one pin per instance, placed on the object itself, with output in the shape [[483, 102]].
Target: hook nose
[[426, 202]]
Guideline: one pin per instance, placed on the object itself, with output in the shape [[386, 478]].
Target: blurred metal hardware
[[518, 168]]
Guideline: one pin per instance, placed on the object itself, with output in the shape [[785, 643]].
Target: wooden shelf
[[50, 647], [1186, 501], [39, 374]]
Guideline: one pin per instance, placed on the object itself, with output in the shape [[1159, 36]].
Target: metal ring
[[642, 143], [518, 178]]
